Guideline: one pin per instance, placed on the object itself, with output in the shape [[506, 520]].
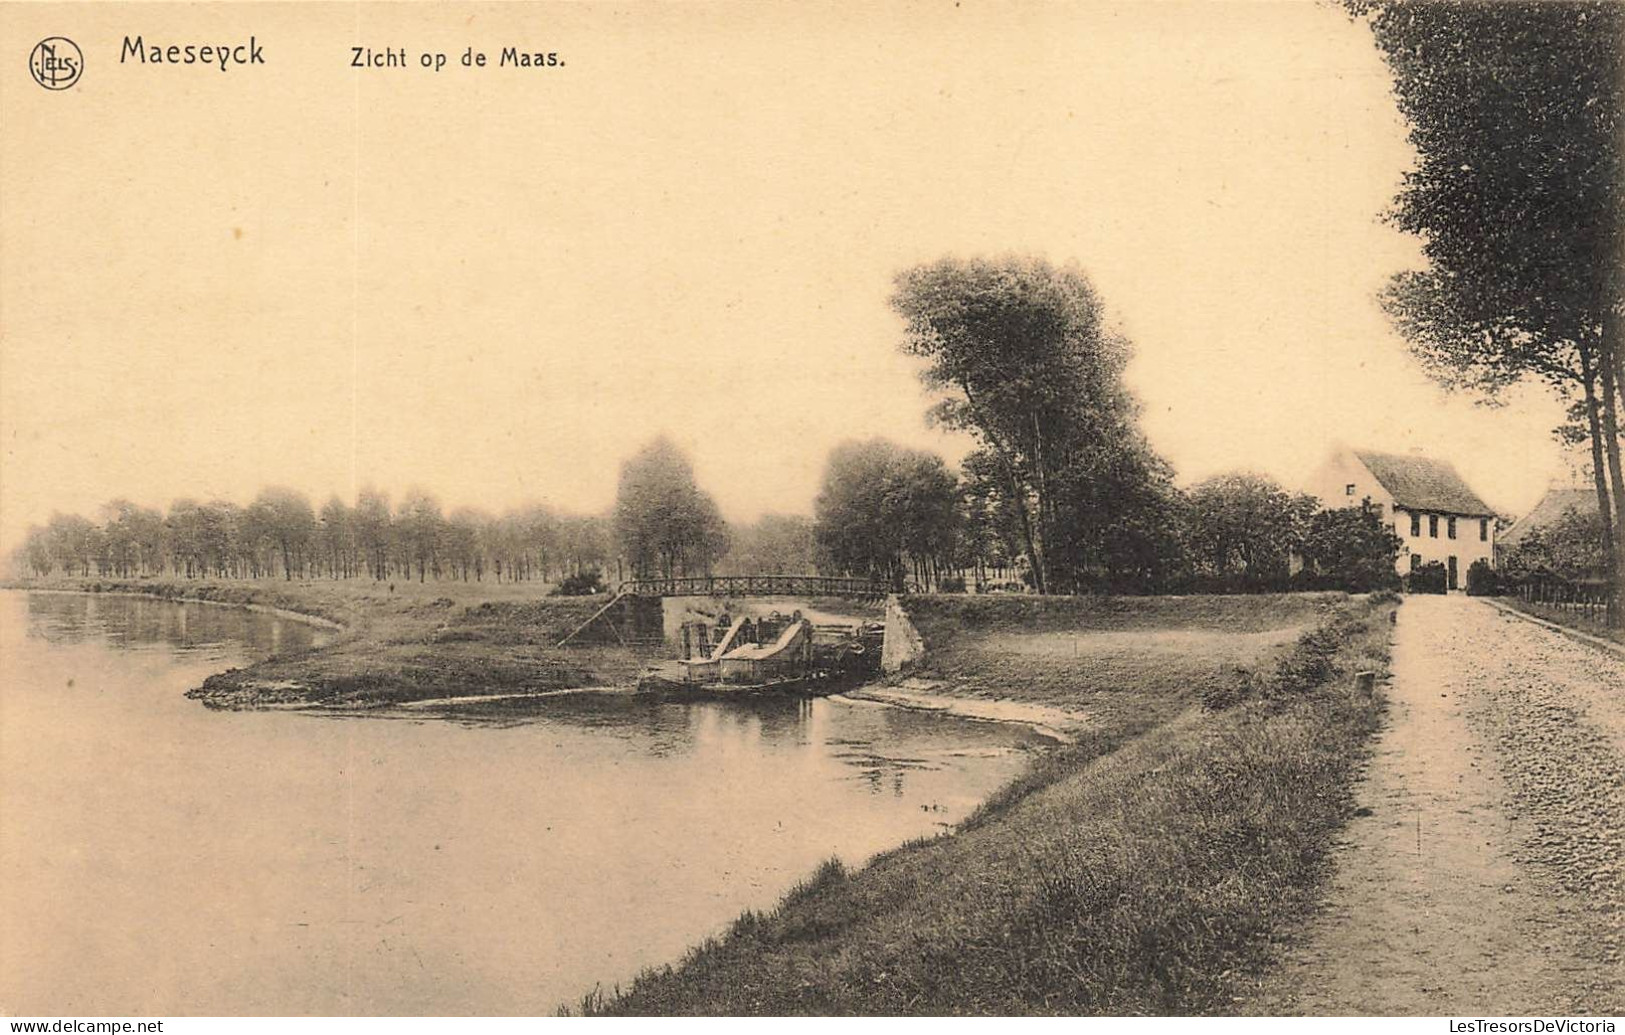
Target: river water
[[157, 857]]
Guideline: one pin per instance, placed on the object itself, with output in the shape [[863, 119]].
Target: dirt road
[[1483, 875]]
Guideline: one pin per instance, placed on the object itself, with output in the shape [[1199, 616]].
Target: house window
[[1483, 530], [1433, 526], [1450, 529], [1416, 561], [1348, 490], [1416, 526]]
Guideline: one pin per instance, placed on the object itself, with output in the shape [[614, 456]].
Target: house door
[[1452, 573]]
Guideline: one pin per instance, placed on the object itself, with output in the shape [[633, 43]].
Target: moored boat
[[771, 654]]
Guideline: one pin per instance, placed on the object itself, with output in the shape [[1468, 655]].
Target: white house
[[1427, 503]]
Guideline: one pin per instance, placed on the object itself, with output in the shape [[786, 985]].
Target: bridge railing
[[756, 586]]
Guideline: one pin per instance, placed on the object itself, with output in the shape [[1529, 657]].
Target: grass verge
[[1575, 620], [1153, 867], [1126, 661]]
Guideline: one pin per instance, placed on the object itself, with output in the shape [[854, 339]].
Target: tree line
[[1515, 197], [281, 534], [1062, 493], [898, 515], [1062, 489]]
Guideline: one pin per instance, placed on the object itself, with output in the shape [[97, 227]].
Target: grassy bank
[[1134, 661], [398, 642], [1152, 867]]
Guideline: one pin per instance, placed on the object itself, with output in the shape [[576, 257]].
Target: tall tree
[[989, 537], [421, 531], [465, 535], [1021, 357], [884, 510], [73, 542], [283, 518], [663, 520], [372, 522], [1515, 112], [585, 540], [185, 525], [36, 552], [335, 537]]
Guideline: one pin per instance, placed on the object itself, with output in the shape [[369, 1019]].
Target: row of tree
[[1515, 196], [1062, 483], [884, 511], [900, 515], [281, 534], [1062, 490]]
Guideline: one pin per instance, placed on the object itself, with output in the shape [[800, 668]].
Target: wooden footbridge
[[757, 586], [628, 616]]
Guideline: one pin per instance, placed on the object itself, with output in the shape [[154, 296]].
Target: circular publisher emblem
[[56, 62]]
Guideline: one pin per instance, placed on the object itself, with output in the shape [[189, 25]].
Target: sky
[[497, 283]]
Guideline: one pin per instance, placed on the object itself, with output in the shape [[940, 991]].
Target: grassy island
[[395, 642]]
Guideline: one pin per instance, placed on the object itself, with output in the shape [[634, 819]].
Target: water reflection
[[303, 863], [881, 745], [137, 622]]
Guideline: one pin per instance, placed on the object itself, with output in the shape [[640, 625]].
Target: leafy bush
[[1429, 578], [581, 584], [1239, 583], [1571, 546], [1482, 581], [951, 584], [1306, 667], [1351, 549]]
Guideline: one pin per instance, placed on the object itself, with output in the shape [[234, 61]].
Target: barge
[[775, 653]]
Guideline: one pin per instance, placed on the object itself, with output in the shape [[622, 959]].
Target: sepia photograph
[[672, 508]]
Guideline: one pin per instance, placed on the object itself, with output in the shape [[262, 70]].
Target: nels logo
[[56, 63]]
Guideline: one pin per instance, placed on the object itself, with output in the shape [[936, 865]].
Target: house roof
[[1552, 506], [1422, 483]]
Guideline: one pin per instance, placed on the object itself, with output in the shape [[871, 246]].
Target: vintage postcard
[[936, 507]]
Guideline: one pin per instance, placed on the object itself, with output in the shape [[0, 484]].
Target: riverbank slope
[[1155, 865]]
